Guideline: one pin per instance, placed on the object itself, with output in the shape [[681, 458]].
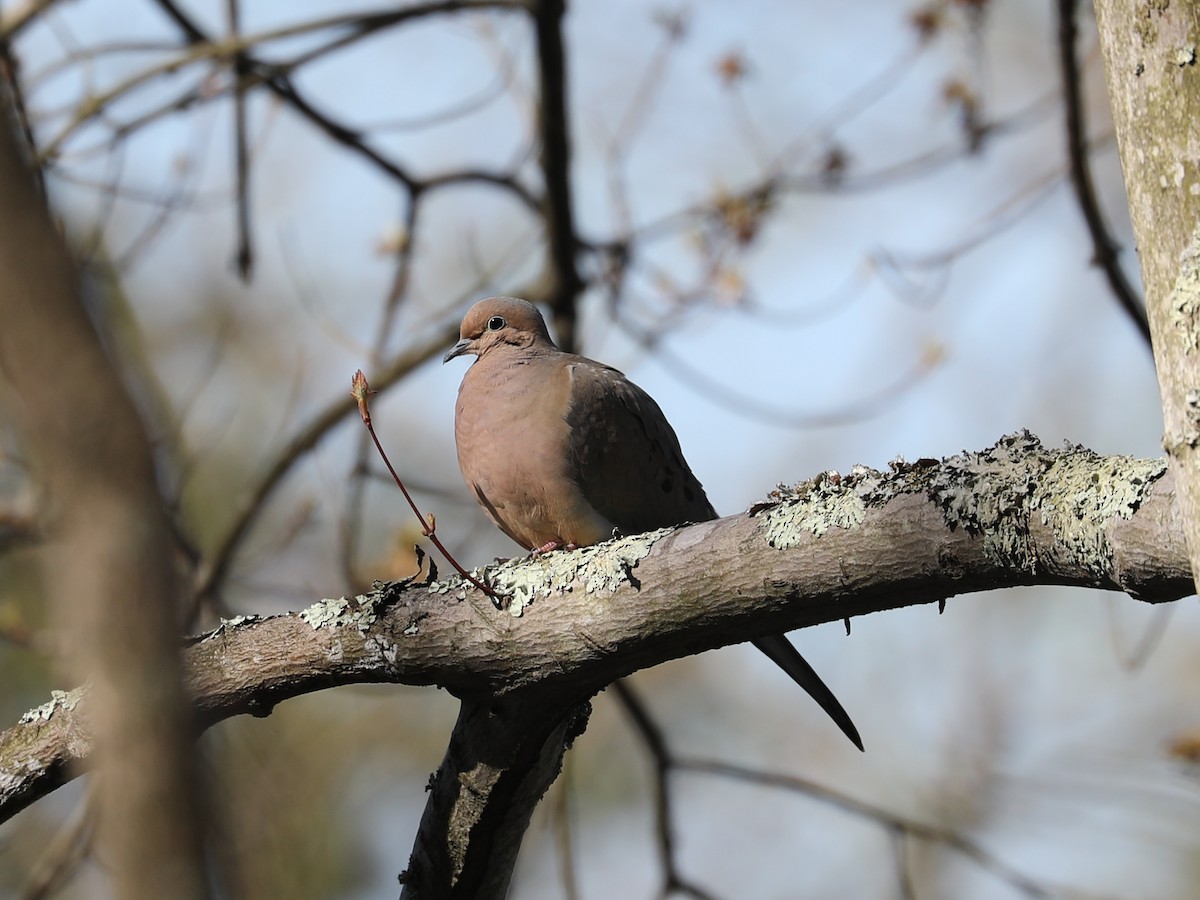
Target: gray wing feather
[[628, 463], [627, 458]]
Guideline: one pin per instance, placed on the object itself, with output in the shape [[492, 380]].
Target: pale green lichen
[[1082, 493], [994, 493], [1191, 418], [453, 586], [367, 611], [65, 700], [1183, 303], [991, 495], [602, 568], [325, 612], [227, 625], [340, 612], [1146, 16], [987, 495], [828, 501]]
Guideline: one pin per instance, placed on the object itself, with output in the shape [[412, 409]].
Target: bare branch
[[903, 826], [1104, 245], [245, 252], [656, 745], [13, 23], [1015, 514], [556, 168]]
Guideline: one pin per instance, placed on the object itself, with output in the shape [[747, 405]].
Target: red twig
[[362, 393]]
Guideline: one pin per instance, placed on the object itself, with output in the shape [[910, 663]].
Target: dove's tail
[[781, 652]]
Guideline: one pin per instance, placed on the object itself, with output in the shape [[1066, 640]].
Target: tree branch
[[554, 123], [1014, 514]]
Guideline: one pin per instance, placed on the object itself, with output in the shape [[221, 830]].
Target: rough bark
[[1015, 514], [503, 756], [1151, 61]]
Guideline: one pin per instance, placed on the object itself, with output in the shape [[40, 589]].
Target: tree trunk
[[1150, 59]]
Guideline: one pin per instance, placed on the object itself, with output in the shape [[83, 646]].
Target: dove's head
[[499, 322]]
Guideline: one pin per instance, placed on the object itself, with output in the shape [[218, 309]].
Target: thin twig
[[241, 68], [351, 523], [720, 393], [277, 80], [14, 23], [556, 169], [210, 575], [281, 85], [910, 827], [1156, 629], [903, 872], [656, 744], [1104, 245], [564, 841], [362, 395], [10, 81], [64, 852]]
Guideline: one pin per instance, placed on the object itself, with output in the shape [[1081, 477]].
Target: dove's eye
[[495, 323]]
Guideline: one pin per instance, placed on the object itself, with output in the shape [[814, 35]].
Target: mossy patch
[[65, 700], [341, 612], [830, 500], [991, 494], [599, 568]]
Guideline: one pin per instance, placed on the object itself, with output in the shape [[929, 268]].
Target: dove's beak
[[463, 346]]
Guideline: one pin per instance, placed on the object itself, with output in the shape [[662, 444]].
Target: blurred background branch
[[107, 556]]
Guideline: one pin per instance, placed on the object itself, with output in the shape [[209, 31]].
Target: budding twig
[[362, 393]]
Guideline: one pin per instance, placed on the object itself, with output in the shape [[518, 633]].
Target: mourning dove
[[562, 452]]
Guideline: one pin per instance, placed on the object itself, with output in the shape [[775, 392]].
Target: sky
[[1013, 717]]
